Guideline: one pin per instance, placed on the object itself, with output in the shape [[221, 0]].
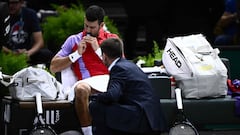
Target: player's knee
[[82, 91]]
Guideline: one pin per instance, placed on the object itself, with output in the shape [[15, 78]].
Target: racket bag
[[196, 66], [26, 82]]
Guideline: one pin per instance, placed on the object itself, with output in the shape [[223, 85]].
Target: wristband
[[74, 56]]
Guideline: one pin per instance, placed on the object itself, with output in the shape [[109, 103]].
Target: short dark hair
[[94, 13], [112, 47]]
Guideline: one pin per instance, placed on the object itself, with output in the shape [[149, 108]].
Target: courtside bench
[[205, 114], [18, 116], [208, 114]]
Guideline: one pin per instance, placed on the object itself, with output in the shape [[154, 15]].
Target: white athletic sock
[[87, 130]]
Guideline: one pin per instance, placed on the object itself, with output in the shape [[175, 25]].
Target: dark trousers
[[97, 111]]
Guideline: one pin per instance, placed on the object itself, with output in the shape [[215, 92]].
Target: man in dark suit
[[129, 106]]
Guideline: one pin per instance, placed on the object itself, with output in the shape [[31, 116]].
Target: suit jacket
[[130, 103]]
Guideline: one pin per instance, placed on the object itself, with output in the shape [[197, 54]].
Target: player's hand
[[93, 41], [82, 47]]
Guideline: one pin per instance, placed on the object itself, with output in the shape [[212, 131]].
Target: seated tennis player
[[82, 53]]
